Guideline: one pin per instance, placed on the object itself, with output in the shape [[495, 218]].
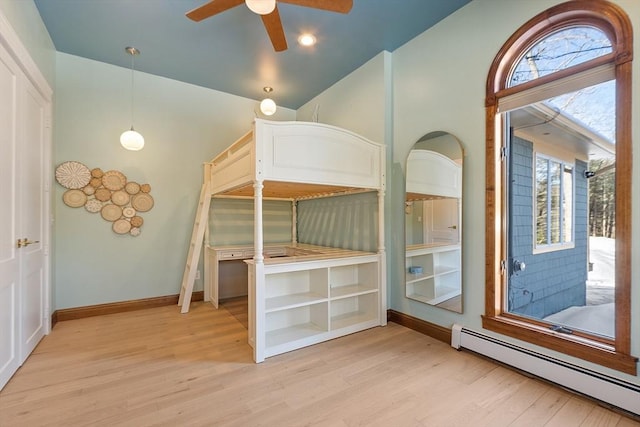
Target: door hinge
[[503, 153], [503, 266]]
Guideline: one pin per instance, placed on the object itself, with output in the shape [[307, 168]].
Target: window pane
[[560, 50], [554, 205], [567, 205], [561, 212], [592, 107], [541, 201]]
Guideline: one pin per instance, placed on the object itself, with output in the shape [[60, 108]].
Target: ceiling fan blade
[[212, 8], [340, 6], [273, 25]]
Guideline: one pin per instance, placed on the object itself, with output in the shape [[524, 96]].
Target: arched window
[[558, 193]]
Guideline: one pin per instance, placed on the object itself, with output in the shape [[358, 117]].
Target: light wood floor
[[157, 367]]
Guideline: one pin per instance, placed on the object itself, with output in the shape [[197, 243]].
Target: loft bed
[[301, 294]]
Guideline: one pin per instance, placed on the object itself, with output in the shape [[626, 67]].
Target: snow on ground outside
[[598, 315]]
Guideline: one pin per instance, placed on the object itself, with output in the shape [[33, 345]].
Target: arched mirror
[[433, 226]]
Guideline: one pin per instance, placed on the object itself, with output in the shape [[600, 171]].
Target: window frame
[[566, 243], [613, 21]]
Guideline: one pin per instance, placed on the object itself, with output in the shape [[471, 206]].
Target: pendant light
[[268, 105], [261, 7], [130, 139]]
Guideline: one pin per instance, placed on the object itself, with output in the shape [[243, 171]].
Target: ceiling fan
[[268, 11]]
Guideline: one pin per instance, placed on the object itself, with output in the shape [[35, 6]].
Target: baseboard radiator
[[608, 389]]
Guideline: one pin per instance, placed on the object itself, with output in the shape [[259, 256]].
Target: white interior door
[[24, 208], [32, 192], [9, 218], [442, 220]]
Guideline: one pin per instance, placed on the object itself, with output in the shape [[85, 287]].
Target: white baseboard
[[608, 389]]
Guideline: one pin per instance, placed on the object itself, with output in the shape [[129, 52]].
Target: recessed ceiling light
[[307, 39]]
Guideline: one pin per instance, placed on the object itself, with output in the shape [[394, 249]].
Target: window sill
[[576, 346], [543, 249]]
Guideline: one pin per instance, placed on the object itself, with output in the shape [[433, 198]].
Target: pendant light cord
[[133, 58]]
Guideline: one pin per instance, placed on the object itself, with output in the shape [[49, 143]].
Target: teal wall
[[23, 17], [184, 126], [361, 102]]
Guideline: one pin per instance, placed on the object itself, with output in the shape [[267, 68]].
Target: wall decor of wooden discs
[[118, 200]]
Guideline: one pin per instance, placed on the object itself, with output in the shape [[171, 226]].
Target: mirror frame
[[611, 19]]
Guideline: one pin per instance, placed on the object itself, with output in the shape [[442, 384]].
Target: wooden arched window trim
[[613, 21]]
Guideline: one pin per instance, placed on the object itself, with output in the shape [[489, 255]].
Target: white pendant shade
[[261, 7], [132, 140], [268, 106]]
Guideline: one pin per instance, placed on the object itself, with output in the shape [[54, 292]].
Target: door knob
[[518, 265], [26, 242], [453, 227]]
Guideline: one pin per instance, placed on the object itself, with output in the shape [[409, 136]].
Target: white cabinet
[[312, 301], [439, 278]]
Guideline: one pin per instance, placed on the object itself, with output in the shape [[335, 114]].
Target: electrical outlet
[[197, 274]]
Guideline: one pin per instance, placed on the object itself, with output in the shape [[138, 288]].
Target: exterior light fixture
[[130, 139], [261, 7], [268, 105]]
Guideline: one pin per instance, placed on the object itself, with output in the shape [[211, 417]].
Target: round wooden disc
[[111, 212], [74, 198], [132, 188], [121, 226], [137, 221], [142, 202], [114, 180], [103, 194], [120, 197], [128, 212]]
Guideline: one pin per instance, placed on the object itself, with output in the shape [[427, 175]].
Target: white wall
[[183, 125], [439, 84]]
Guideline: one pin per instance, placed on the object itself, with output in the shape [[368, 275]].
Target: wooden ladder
[[195, 247]]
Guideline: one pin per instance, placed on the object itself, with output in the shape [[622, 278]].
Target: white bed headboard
[[317, 153], [298, 159]]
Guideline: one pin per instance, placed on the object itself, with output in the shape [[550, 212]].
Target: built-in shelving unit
[[440, 278], [307, 302]]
